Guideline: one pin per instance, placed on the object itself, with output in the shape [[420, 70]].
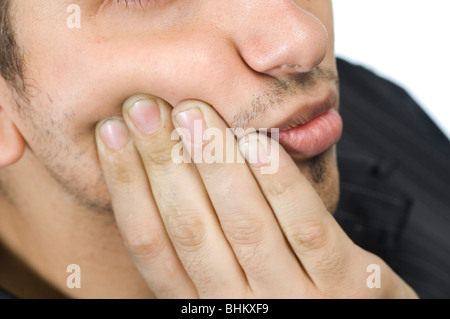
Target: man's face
[[255, 61]]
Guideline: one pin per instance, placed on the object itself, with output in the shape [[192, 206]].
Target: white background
[[407, 41]]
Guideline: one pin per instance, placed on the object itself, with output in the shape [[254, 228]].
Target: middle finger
[[245, 216]]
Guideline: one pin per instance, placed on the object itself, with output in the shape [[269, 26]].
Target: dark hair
[[11, 57]]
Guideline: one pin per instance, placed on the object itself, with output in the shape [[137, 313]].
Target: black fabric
[[5, 295], [395, 180], [395, 191]]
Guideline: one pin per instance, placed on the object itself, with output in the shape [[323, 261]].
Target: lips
[[308, 135]]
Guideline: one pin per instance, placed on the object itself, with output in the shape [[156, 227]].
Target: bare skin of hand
[[224, 230]]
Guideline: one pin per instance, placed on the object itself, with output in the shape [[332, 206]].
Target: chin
[[322, 172]]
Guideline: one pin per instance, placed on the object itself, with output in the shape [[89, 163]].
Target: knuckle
[[309, 236], [122, 175], [148, 245], [162, 166], [253, 260], [212, 170], [330, 265], [119, 169], [187, 230], [277, 188], [157, 156], [245, 231]]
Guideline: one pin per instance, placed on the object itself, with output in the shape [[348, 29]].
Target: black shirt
[[395, 180], [395, 173]]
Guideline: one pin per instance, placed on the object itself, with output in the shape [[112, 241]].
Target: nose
[[278, 38]]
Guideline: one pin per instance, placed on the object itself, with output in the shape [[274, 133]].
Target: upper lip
[[306, 113]]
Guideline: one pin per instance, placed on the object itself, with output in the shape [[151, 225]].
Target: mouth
[[312, 129]]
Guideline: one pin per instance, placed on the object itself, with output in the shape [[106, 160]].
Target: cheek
[[58, 157], [97, 78]]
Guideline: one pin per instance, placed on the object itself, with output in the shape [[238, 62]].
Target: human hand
[[225, 230]]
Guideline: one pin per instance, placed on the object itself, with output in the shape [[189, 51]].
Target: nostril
[[291, 68], [285, 69]]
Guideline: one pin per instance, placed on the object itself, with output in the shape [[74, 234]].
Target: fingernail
[[146, 116], [114, 134], [254, 151], [194, 122]]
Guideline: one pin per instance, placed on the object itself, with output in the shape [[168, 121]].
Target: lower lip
[[313, 138]]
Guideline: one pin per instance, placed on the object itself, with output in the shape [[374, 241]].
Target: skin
[[124, 213]]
